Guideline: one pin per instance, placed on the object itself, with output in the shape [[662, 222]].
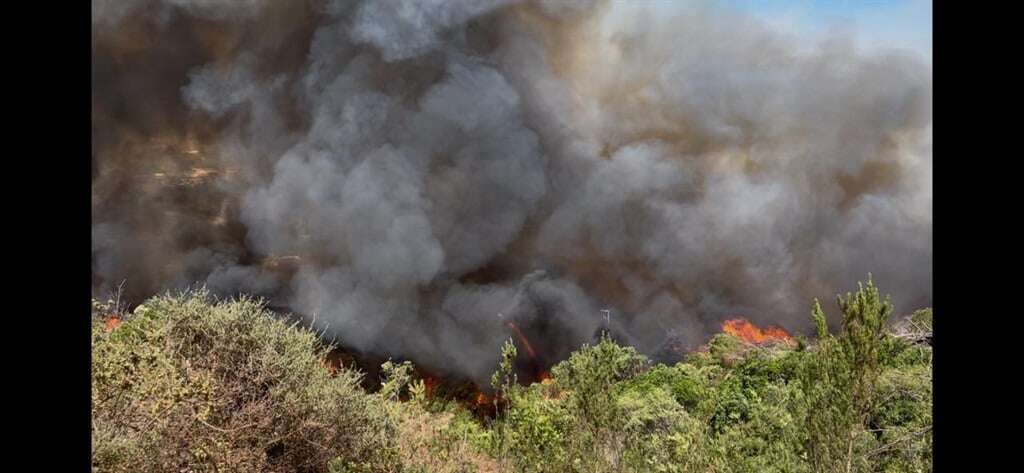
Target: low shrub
[[187, 383]]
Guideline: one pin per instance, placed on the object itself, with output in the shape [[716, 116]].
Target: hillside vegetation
[[190, 383]]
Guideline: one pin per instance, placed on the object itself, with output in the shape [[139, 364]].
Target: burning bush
[[753, 334]]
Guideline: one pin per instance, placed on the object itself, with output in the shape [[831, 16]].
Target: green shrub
[[188, 383], [839, 383], [658, 434], [537, 433], [922, 318], [726, 349], [687, 384], [903, 420], [769, 435], [589, 375]]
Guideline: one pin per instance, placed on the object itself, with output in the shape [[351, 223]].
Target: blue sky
[[903, 24]]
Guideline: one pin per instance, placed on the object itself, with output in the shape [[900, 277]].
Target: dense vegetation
[[188, 383]]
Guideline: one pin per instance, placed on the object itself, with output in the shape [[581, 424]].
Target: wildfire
[[112, 323], [522, 339], [482, 399], [332, 365], [430, 383], [753, 334]]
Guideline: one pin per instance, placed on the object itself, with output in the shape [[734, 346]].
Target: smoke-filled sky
[[420, 178]]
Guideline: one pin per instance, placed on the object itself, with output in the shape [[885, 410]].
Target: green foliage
[[439, 442], [922, 318], [726, 349], [575, 422], [658, 434], [187, 383], [418, 392], [819, 320], [864, 320], [839, 383], [589, 375], [744, 388], [535, 433], [504, 380], [687, 384], [395, 377], [903, 420], [858, 401], [769, 436]]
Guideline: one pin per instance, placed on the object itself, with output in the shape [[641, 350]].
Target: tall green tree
[[839, 381]]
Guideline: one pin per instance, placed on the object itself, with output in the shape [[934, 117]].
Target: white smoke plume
[[419, 175]]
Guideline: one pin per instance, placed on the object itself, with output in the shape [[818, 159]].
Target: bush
[[658, 434], [539, 433], [903, 420], [687, 384], [188, 383], [589, 375], [839, 382]]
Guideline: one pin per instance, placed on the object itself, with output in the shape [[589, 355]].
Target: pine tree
[[504, 380], [839, 380]]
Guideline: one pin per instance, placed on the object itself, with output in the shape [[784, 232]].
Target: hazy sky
[[903, 24]]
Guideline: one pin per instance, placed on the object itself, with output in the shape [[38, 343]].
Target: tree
[[395, 377], [839, 380], [504, 380]]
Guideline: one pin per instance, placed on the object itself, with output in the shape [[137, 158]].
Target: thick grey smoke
[[425, 179]]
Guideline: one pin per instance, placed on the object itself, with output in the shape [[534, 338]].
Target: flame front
[[482, 399], [750, 333], [544, 375], [112, 324]]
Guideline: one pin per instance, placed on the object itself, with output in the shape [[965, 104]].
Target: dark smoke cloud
[[418, 177]]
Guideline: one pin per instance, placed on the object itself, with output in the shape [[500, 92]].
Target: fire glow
[[430, 384], [750, 333], [522, 339], [482, 399], [332, 366], [112, 324]]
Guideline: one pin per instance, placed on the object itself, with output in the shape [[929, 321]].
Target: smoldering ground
[[415, 175]]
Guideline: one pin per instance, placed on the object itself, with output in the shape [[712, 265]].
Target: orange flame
[[430, 383], [522, 339], [750, 333], [331, 365], [482, 399], [112, 323]]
